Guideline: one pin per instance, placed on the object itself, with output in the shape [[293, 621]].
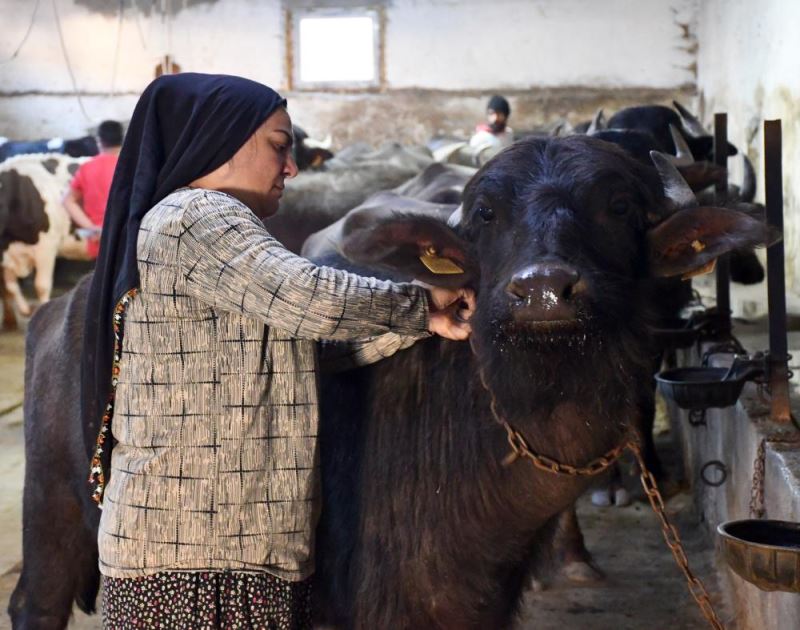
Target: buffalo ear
[[692, 238], [423, 248]]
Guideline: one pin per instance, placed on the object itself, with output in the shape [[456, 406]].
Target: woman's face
[[257, 173]]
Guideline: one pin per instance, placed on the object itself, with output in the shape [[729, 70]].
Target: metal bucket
[[763, 552], [700, 387]]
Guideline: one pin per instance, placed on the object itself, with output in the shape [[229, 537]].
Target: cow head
[[22, 211], [557, 236], [310, 153]]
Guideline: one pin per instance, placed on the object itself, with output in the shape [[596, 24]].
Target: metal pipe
[[776, 284], [723, 276]]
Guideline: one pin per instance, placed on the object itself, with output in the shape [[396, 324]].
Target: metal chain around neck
[[521, 449]]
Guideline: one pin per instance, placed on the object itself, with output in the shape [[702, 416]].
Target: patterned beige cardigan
[[216, 461]]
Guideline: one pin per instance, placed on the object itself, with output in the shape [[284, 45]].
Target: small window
[[336, 49]]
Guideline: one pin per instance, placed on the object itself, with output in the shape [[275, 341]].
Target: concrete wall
[[554, 58], [732, 436], [748, 66], [473, 44]]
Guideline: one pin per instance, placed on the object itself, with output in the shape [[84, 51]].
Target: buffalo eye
[[620, 205], [486, 213]]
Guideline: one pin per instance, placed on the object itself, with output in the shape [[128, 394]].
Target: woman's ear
[[422, 247]]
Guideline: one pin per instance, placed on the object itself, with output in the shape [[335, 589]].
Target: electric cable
[[68, 63], [25, 38]]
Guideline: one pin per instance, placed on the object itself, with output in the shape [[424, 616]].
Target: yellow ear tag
[[700, 271], [438, 264], [698, 246]]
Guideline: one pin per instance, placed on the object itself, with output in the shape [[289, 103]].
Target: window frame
[[293, 53]]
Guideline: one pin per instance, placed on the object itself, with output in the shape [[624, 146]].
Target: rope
[[120, 22]]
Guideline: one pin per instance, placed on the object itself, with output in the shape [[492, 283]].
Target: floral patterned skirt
[[206, 601]]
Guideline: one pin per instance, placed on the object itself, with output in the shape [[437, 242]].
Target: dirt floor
[[643, 589]]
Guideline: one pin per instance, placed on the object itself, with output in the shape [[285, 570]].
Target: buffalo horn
[[683, 154], [563, 128], [319, 144], [690, 122], [748, 191], [455, 218], [598, 123], [675, 187]]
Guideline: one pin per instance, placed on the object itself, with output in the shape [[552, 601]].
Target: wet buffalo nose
[[545, 285]]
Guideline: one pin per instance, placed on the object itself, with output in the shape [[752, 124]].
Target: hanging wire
[[169, 61], [69, 65], [138, 14], [25, 38], [120, 22]]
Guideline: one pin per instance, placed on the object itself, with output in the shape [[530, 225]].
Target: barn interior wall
[[554, 58], [748, 67]]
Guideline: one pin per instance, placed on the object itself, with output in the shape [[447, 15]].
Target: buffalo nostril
[[546, 283], [518, 290]]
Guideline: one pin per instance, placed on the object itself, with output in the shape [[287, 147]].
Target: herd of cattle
[[576, 247]]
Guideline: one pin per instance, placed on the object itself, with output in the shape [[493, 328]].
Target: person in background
[[494, 134], [86, 199]]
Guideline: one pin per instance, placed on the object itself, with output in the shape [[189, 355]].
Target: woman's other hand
[[450, 310]]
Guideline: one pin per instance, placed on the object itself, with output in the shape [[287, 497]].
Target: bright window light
[[337, 49]]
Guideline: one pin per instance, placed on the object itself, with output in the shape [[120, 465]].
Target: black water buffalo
[[656, 120], [317, 198], [60, 520], [422, 526], [436, 191], [664, 129], [75, 147]]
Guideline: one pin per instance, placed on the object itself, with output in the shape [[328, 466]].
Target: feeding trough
[[709, 387], [766, 552], [763, 552]]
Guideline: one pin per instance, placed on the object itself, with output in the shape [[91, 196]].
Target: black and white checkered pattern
[[216, 465]]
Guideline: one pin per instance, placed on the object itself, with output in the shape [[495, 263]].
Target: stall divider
[[720, 197], [776, 283]]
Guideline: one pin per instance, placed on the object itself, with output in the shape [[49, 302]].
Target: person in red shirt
[[86, 199]]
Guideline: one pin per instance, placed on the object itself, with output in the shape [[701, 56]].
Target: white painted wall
[[243, 37], [445, 45], [472, 44], [749, 66]]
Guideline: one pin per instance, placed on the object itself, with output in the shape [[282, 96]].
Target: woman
[[208, 326]]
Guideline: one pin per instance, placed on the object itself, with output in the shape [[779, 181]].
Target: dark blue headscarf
[[184, 126]]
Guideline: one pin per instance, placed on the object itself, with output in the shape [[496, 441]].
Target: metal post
[[720, 195], [776, 284]]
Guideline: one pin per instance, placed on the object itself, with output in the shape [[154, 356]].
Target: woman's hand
[[450, 310]]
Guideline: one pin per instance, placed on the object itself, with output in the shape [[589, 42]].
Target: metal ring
[[722, 468], [697, 417]]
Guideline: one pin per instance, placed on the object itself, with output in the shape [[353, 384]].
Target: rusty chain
[[520, 449], [757, 509], [673, 540]]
